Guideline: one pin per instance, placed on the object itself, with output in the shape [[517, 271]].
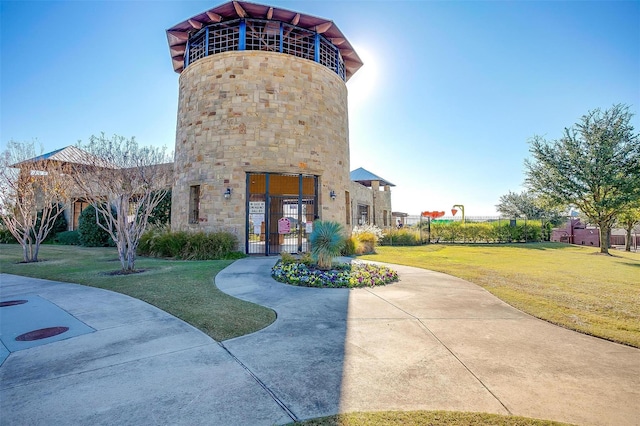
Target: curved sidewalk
[[428, 342]]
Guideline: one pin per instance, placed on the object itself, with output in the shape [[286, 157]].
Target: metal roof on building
[[70, 155], [365, 177], [178, 35]]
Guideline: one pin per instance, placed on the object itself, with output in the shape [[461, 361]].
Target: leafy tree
[[526, 204], [33, 191], [627, 219], [594, 166], [124, 177]]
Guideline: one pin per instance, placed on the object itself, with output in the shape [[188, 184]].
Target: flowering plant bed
[[348, 275]]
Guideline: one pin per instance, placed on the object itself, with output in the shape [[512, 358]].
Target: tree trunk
[[627, 244], [604, 234], [131, 259], [34, 255]]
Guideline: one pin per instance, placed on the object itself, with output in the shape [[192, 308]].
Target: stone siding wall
[[255, 111], [378, 201]]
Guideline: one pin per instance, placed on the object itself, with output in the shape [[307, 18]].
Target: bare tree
[[124, 183], [33, 191]]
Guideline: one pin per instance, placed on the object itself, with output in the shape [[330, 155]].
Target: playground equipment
[[454, 210]]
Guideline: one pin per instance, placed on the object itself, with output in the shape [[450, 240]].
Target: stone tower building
[[262, 139]]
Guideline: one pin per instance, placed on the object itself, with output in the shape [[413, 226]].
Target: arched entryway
[[280, 210]]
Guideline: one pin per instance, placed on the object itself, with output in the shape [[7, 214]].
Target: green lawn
[[572, 286], [182, 288]]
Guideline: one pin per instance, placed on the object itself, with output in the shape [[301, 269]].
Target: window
[[363, 214], [385, 217], [194, 204], [347, 206]]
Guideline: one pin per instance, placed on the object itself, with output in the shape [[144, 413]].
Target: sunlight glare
[[362, 86]]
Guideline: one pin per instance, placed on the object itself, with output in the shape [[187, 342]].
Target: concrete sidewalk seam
[[425, 327], [464, 365], [263, 385]]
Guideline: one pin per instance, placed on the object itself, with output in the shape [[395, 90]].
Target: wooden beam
[[296, 19], [239, 10], [338, 41], [177, 50], [352, 64], [270, 13], [323, 28], [177, 37], [214, 17], [195, 24]]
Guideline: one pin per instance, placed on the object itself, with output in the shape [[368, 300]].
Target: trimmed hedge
[[160, 242], [67, 238], [401, 237], [471, 232], [486, 232], [90, 234]]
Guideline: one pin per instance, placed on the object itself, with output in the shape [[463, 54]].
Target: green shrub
[[367, 236], [161, 242], [306, 259], [349, 247], [161, 214], [67, 238], [368, 233], [488, 232], [6, 237], [401, 237], [326, 242], [92, 235], [287, 258]]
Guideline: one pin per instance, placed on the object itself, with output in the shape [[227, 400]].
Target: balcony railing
[[264, 35]]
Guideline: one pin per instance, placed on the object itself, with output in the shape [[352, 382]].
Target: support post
[[242, 42]]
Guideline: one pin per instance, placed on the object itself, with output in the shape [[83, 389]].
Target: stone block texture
[[254, 111]]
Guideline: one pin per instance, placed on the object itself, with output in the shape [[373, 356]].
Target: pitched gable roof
[[71, 155], [365, 177]]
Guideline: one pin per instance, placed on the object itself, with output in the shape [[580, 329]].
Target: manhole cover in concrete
[[42, 333], [12, 303]]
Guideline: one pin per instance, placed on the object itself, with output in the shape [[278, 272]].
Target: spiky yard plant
[[326, 242]]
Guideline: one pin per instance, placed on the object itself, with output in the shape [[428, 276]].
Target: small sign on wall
[[256, 207], [308, 227], [284, 225]]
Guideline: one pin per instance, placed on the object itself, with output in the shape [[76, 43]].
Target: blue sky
[[448, 97]]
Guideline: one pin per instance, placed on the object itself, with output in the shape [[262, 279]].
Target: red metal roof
[[178, 35]]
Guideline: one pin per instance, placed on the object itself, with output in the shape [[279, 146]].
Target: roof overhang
[[178, 35]]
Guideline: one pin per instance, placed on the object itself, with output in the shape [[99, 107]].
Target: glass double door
[[280, 212]]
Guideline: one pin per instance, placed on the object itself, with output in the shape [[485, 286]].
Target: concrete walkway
[[430, 341]]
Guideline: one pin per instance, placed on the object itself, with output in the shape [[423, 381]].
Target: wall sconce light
[[227, 193], [332, 194]]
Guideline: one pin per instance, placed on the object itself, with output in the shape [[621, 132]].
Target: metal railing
[[267, 36]]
